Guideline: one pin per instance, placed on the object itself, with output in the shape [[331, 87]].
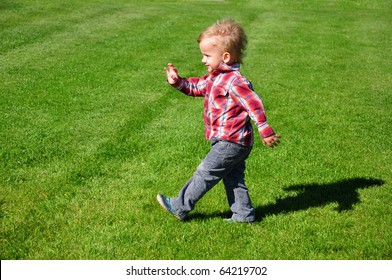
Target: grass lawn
[[90, 131]]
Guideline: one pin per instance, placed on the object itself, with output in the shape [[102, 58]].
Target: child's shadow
[[344, 193]]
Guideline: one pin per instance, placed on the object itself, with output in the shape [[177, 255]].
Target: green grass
[[90, 131]]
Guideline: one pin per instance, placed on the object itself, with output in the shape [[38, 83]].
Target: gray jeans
[[225, 161]]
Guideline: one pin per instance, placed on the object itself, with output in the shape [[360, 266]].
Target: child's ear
[[226, 57]]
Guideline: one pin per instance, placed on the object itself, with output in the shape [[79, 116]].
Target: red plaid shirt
[[229, 104]]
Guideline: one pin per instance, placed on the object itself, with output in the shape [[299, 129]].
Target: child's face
[[212, 54]]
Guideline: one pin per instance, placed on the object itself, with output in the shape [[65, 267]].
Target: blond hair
[[230, 38]]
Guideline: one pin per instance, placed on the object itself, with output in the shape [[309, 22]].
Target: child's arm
[[189, 86], [246, 97]]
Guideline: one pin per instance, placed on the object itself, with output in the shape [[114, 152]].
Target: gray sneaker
[[231, 220], [165, 203]]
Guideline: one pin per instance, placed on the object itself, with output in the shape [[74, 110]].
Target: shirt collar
[[223, 67]]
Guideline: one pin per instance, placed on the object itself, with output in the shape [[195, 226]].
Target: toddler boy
[[229, 104]]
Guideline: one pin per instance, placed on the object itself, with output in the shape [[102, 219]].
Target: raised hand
[[172, 74]]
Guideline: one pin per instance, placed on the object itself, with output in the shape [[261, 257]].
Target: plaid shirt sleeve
[[244, 95], [192, 86]]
